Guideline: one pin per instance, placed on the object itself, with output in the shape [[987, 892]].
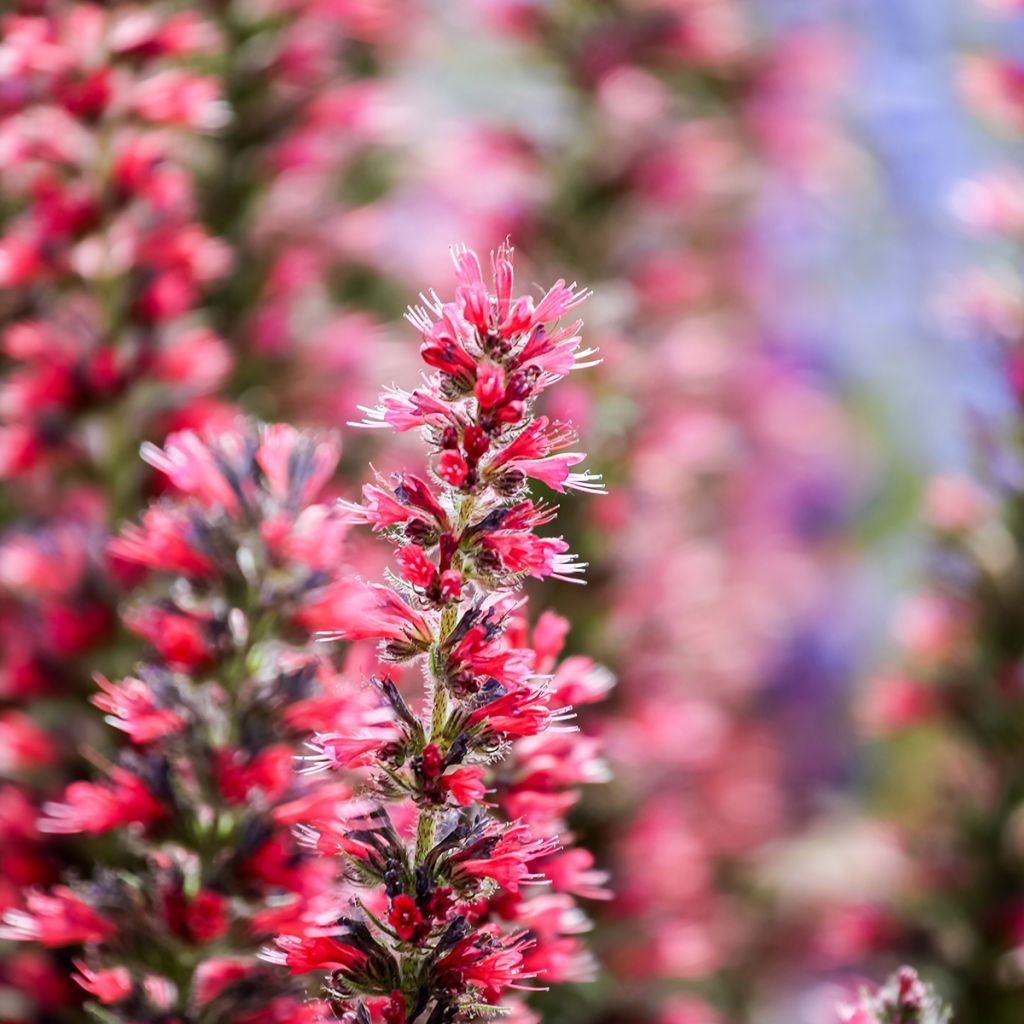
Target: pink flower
[[191, 467], [302, 955], [508, 862], [416, 567], [23, 744], [533, 555], [108, 986], [197, 360], [411, 499], [462, 549], [554, 473], [280, 447], [58, 918], [131, 707], [465, 785], [93, 807], [896, 702], [405, 410], [332, 750], [573, 871], [215, 974], [579, 680], [181, 639], [529, 454], [366, 611], [179, 97]]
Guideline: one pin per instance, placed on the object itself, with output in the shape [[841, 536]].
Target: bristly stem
[[439, 704]]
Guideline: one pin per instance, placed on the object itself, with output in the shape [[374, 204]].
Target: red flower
[[131, 707], [95, 807], [379, 509], [451, 585], [465, 785], [488, 960], [443, 348], [521, 712], [490, 385], [206, 916], [533, 555], [180, 639], [214, 975], [393, 1012], [405, 917], [57, 918], [508, 862], [302, 954], [431, 759], [164, 542], [366, 611], [452, 468], [109, 986], [270, 773], [416, 567]]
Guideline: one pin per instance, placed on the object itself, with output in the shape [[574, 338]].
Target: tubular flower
[[209, 785], [57, 918], [439, 873]]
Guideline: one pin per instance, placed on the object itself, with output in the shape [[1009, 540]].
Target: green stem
[[439, 706]]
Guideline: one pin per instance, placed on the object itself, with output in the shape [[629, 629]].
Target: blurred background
[[800, 220]]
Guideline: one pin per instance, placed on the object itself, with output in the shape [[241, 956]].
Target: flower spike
[[462, 887]]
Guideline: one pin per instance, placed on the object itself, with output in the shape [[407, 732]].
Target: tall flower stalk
[[200, 865], [437, 929]]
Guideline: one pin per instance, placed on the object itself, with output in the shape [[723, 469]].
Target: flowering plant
[[439, 929], [204, 798], [903, 999]]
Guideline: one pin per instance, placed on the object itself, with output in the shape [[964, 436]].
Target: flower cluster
[[903, 999], [446, 917], [103, 117], [152, 252], [205, 794]]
